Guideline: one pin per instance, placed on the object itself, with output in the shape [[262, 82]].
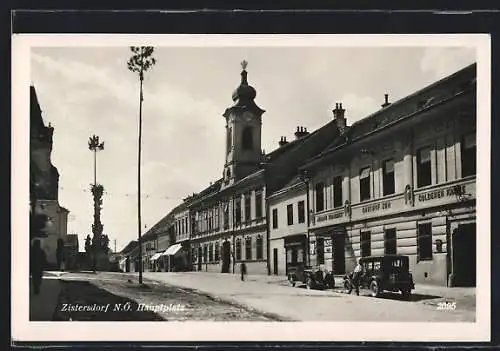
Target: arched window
[[247, 138], [229, 140]]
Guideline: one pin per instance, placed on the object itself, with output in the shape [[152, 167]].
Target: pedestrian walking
[[243, 268], [38, 260]]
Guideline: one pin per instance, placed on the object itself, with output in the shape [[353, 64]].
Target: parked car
[[383, 273], [313, 278]]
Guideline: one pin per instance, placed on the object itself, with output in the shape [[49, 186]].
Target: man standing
[[243, 268], [38, 261], [358, 272]]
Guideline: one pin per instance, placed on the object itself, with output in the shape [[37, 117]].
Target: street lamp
[[142, 59]]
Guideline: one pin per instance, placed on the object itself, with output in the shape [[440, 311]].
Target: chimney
[[386, 103], [283, 141], [301, 131], [338, 115]]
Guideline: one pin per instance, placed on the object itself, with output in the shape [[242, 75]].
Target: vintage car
[[383, 273], [313, 278]]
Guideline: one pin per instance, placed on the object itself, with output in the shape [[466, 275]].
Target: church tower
[[243, 133]]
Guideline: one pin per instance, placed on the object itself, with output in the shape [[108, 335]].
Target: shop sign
[[440, 193], [376, 207]]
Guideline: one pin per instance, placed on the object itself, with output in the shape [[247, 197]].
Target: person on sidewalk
[[243, 268], [38, 260], [356, 277]]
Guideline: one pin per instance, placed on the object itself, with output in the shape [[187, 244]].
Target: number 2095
[[446, 306]]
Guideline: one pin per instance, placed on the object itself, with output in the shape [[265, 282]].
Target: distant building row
[[400, 181]]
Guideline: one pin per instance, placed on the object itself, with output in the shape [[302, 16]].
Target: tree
[[142, 59]]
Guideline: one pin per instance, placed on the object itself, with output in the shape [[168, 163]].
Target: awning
[[172, 250], [155, 256]]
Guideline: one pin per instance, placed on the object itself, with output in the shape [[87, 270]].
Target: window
[[247, 208], [388, 177], [205, 253], [320, 196], [209, 220], [366, 244], [247, 139], [302, 212], [424, 241], [211, 252], [320, 250], [238, 249], [424, 167], [226, 215], [275, 218], [289, 214], [390, 241], [216, 252], [468, 155], [364, 184], [258, 205], [248, 248], [229, 140], [337, 191], [260, 247], [238, 211]]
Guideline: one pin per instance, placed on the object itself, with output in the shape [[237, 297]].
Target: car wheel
[[309, 283], [406, 292], [374, 288], [347, 287]]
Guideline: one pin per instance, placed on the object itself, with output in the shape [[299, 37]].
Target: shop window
[[364, 184], [211, 252], [300, 255], [388, 177], [390, 246], [238, 249], [258, 204], [320, 250], [238, 211], [260, 247], [319, 189], [248, 248], [275, 218], [247, 139], [424, 241], [468, 154], [366, 244], [337, 191], [301, 211], [216, 252], [289, 214], [424, 167], [247, 208]]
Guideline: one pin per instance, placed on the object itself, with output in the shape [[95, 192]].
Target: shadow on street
[[92, 302]]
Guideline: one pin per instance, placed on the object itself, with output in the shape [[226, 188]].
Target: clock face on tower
[[247, 116]]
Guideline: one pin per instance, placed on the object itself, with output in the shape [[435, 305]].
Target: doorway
[[275, 261], [200, 255], [464, 255], [226, 256], [338, 240]]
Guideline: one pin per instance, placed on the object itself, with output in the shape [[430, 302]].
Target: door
[[200, 254], [226, 256], [464, 255], [275, 261], [338, 253]]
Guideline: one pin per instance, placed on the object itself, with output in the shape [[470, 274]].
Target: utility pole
[[115, 245], [140, 62]]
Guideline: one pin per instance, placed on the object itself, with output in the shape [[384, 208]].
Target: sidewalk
[[43, 305]]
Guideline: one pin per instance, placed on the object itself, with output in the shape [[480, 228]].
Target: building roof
[[130, 246], [431, 95]]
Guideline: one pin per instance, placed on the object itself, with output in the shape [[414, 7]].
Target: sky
[[84, 91]]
